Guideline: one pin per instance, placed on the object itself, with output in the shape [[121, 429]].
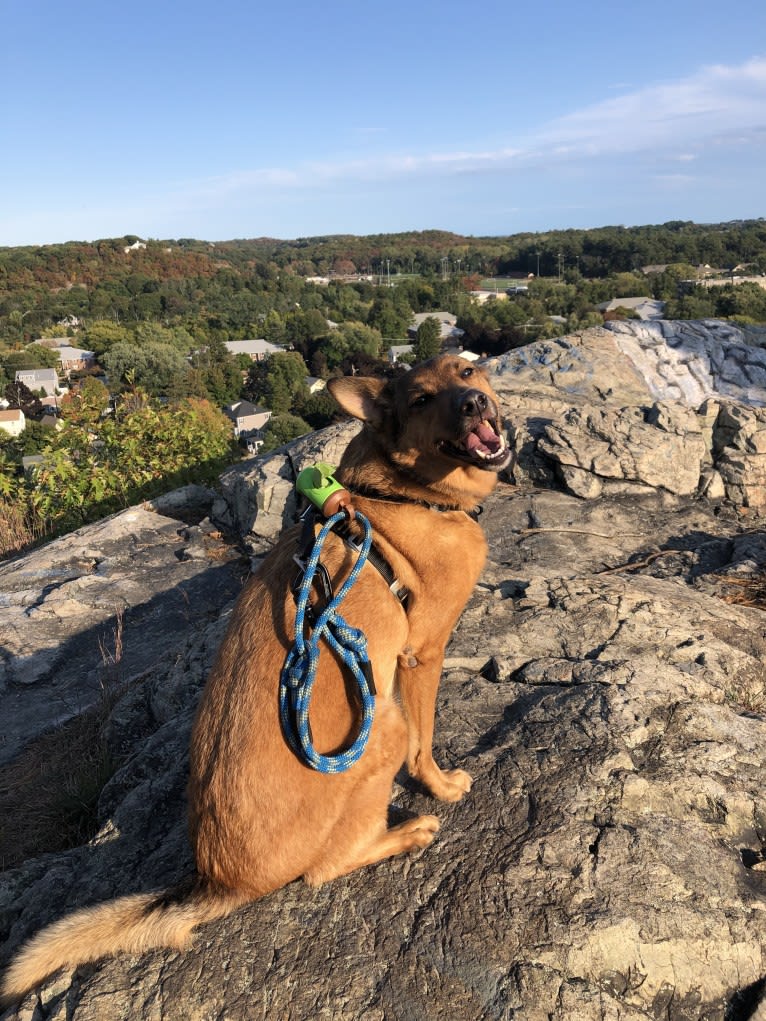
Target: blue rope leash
[[349, 645]]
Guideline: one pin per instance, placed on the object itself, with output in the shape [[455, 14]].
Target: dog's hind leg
[[414, 833], [361, 835]]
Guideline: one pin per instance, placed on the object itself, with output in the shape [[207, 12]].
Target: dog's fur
[[259, 817]]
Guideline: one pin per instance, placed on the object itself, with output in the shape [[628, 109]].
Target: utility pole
[[561, 259], [538, 264], [444, 267]]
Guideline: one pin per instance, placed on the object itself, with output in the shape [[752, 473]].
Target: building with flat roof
[[257, 350]]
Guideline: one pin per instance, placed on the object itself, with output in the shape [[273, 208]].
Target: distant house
[[645, 308], [39, 379], [134, 247], [75, 359], [12, 421], [481, 297], [256, 350], [470, 356], [52, 422], [446, 320], [397, 350], [732, 279], [314, 384], [248, 418], [653, 268]]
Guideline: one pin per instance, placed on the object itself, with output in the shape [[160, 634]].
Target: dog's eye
[[466, 373], [421, 401]]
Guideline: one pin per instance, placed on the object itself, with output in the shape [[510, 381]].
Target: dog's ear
[[363, 397]]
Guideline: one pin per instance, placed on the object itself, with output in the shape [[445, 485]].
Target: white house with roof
[[247, 418], [39, 379], [12, 421], [256, 350], [447, 327], [469, 356]]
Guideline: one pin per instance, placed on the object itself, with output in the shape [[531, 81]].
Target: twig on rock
[[636, 564], [521, 532]]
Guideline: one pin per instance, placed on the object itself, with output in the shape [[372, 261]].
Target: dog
[[428, 453]]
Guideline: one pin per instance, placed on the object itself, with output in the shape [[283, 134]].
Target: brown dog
[[429, 452]]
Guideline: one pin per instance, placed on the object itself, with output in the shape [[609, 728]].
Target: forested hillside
[[228, 288], [154, 318]]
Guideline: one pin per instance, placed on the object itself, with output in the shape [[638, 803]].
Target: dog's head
[[440, 422]]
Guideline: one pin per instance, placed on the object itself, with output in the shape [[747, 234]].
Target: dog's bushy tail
[[130, 924]]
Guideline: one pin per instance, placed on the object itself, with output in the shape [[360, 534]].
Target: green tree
[[319, 409], [102, 334], [89, 471], [282, 429], [33, 357], [278, 382], [428, 342], [350, 339], [389, 320], [153, 366], [19, 395]]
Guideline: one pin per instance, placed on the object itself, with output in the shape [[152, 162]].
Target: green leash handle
[[318, 485]]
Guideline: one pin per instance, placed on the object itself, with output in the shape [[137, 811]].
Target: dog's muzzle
[[481, 443]]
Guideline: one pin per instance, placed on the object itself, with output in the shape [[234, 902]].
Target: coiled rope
[[348, 643]]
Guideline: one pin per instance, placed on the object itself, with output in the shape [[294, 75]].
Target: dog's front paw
[[419, 831], [449, 784]]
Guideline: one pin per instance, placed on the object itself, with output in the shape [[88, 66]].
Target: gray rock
[[257, 496], [96, 609], [690, 361], [668, 420]]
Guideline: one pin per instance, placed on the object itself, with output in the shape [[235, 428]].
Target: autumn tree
[[88, 404]]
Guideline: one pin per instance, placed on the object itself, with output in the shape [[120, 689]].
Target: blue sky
[[233, 119]]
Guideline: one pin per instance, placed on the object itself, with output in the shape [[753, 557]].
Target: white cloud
[[717, 104], [714, 101]]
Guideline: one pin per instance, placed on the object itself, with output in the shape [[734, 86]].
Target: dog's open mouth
[[483, 446]]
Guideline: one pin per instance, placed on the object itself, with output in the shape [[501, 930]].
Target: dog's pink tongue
[[482, 436]]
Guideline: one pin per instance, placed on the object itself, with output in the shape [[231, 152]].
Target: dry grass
[[749, 591], [20, 528], [49, 794], [745, 591]]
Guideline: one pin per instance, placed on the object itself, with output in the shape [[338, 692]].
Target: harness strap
[[341, 528], [377, 560]]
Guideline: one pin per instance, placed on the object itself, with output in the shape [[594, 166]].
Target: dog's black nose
[[472, 403]]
